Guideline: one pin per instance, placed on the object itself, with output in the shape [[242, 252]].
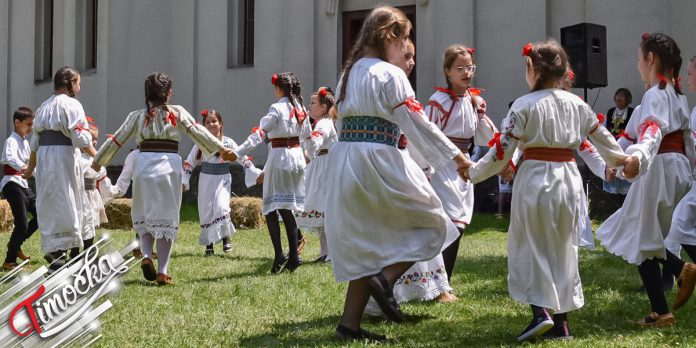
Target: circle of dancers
[[386, 182]]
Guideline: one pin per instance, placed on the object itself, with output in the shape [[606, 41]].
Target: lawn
[[232, 300]]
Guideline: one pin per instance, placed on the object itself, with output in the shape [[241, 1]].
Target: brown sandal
[[163, 279], [22, 256]]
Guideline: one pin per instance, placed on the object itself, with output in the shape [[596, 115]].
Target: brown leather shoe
[[8, 266], [22, 256], [137, 253], [163, 279], [687, 279], [655, 320], [300, 246], [148, 269]]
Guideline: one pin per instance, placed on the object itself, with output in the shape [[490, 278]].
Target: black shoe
[[321, 259], [279, 265], [292, 266], [668, 283], [382, 293], [227, 248], [536, 328], [209, 252], [559, 332], [344, 333]]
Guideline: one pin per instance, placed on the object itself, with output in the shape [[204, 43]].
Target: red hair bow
[[205, 112], [322, 92], [471, 50], [571, 75], [527, 49], [89, 119], [498, 145], [274, 79], [645, 36], [601, 117]]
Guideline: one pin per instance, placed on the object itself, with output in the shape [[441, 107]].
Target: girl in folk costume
[[15, 189], [459, 112], [683, 228], [214, 187], [665, 147], [381, 215], [157, 174], [93, 212], [60, 133], [285, 126], [323, 137], [547, 193]]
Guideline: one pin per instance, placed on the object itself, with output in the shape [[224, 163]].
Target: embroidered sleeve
[[207, 142], [592, 159], [259, 134], [485, 130], [112, 144], [652, 121], [501, 148]]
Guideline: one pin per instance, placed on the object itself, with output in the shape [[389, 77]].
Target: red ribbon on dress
[[447, 91], [299, 114], [585, 145], [648, 125], [411, 104], [171, 118], [601, 117], [498, 145], [79, 128], [113, 138], [624, 134], [317, 133]]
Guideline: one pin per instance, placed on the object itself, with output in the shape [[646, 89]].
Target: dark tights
[[291, 230], [449, 255], [651, 276]]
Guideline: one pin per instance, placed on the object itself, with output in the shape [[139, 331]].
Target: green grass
[[233, 300]]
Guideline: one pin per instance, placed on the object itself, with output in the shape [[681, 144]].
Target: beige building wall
[[188, 40]]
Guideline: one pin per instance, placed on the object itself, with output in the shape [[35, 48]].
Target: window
[[240, 33], [86, 35], [43, 40]]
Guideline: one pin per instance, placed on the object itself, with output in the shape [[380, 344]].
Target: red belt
[[672, 142], [8, 170], [285, 142], [548, 154]]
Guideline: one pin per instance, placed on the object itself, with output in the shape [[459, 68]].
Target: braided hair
[[668, 53], [157, 87], [65, 77], [290, 86], [550, 61]]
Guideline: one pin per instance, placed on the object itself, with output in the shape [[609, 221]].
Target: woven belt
[[215, 168], [8, 170], [285, 142], [323, 152], [369, 129], [462, 143], [90, 184], [673, 142], [548, 154], [53, 138], [155, 145]]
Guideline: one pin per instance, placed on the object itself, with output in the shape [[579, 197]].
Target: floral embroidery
[[422, 277], [312, 214], [216, 221]]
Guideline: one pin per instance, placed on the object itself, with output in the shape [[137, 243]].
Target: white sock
[[147, 241], [164, 250], [323, 246]]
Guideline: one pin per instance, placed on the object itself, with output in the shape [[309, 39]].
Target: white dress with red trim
[[683, 229], [285, 128], [465, 123], [93, 212], [380, 209], [318, 147], [547, 198], [637, 231], [214, 192], [594, 161], [60, 130], [157, 173]]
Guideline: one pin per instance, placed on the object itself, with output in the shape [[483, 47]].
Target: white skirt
[[380, 210], [637, 231], [157, 194], [547, 207], [457, 195], [283, 181], [683, 229], [214, 208], [315, 201], [59, 195], [94, 214]]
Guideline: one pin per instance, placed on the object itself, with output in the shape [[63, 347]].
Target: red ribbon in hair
[[89, 119], [411, 104], [645, 36], [274, 79], [322, 92], [527, 49], [648, 125], [498, 146], [662, 78], [471, 50], [601, 117], [585, 145], [205, 113], [447, 91], [624, 134], [113, 138], [171, 118], [299, 114], [571, 75]]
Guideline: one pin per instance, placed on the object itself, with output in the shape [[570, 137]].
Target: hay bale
[[247, 212], [6, 218], [119, 214]]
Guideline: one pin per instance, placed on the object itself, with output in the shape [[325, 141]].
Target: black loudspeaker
[[586, 45]]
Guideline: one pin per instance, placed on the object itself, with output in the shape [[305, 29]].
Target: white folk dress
[[547, 197], [59, 177], [637, 231], [157, 176], [93, 212], [214, 193], [283, 174], [462, 118], [683, 229], [323, 137], [380, 208]]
